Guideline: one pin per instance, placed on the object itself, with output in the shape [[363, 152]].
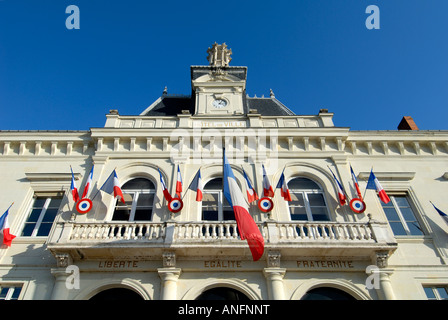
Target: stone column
[[384, 289], [386, 286], [169, 277], [274, 276], [60, 290]]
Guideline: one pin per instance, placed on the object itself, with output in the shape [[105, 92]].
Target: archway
[[222, 293], [117, 294], [327, 293]]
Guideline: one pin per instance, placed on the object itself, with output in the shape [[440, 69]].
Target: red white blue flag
[[196, 186], [341, 193], [88, 184], [73, 188], [166, 193], [112, 186], [251, 194], [355, 181], [4, 228], [284, 188], [246, 225], [267, 188], [374, 184], [179, 183]]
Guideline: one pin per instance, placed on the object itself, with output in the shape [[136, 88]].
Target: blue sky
[[313, 53]]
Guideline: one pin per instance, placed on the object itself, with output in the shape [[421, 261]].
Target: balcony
[[148, 240]]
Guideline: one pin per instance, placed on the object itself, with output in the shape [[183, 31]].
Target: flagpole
[[343, 190], [365, 191], [103, 184]]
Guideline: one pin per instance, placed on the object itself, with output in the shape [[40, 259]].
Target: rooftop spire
[[219, 55]]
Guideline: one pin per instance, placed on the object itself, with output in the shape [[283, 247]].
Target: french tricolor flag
[[284, 188], [179, 183], [374, 184], [112, 186], [246, 225], [88, 184], [341, 194], [4, 228], [355, 181], [251, 194], [73, 187], [267, 188], [196, 185], [166, 193]]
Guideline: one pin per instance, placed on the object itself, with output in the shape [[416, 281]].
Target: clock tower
[[218, 88]]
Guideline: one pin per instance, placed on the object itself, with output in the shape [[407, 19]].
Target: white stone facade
[[180, 256]]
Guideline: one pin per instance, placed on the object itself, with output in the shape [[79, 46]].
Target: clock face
[[219, 103]]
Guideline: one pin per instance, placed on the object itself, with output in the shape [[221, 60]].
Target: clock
[[220, 103]]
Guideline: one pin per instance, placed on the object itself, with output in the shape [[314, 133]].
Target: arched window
[[223, 293], [325, 293], [139, 197], [215, 206], [308, 201]]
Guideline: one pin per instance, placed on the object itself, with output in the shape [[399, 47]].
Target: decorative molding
[[388, 176]]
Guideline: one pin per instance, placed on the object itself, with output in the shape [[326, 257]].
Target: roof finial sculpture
[[219, 55]]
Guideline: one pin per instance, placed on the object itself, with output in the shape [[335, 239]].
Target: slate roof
[[172, 105]]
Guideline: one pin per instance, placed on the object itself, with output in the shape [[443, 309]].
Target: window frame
[[304, 193], [402, 220], [12, 287], [49, 196], [135, 195], [435, 292], [220, 199]]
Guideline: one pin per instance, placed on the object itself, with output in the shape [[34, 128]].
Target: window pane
[[442, 293], [401, 201], [3, 293], [55, 202], [35, 213], [391, 214], [414, 228], [302, 183], [429, 293], [319, 213], [316, 199], [228, 215], [28, 229], [16, 293], [210, 215], [39, 202], [145, 200], [398, 229], [215, 184], [138, 184], [121, 215], [50, 215], [143, 215], [44, 229], [297, 199], [408, 215]]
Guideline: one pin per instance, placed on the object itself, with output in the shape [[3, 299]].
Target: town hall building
[[101, 247]]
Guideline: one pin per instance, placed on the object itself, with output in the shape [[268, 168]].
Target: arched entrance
[[117, 294], [222, 293], [327, 293]]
